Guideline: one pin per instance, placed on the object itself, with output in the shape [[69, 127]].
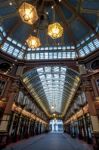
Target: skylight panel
[[59, 55], [73, 54], [50, 48], [68, 47], [64, 48], [63, 69], [0, 39], [41, 55], [62, 77], [5, 46], [40, 70], [42, 77], [23, 47], [55, 48], [82, 42], [56, 76], [86, 49], [64, 54], [78, 45], [37, 56], [29, 49], [50, 55], [10, 49], [28, 56], [72, 47], [59, 47], [48, 76], [46, 55], [46, 48], [1, 29], [16, 51], [97, 28], [4, 34], [96, 42], [14, 42], [33, 55], [19, 45], [9, 39], [81, 52], [56, 69], [55, 55], [68, 54], [87, 38], [47, 69], [42, 48], [91, 45], [92, 35], [20, 55], [38, 48]]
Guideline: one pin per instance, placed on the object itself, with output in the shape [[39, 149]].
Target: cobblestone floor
[[51, 141]]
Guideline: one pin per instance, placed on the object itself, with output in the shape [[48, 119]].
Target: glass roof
[[52, 87], [53, 84], [79, 20], [19, 51]]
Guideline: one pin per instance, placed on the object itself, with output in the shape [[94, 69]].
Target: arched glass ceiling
[[19, 51], [52, 87], [79, 20]]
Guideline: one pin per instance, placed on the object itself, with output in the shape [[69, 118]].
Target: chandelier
[[33, 42], [55, 30], [28, 13]]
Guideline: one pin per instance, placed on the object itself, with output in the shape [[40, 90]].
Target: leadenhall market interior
[[49, 74]]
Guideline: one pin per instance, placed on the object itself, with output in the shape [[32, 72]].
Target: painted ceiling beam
[[5, 17], [80, 17], [11, 30], [66, 26], [89, 11]]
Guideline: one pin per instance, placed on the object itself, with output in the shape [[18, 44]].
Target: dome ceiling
[[80, 20]]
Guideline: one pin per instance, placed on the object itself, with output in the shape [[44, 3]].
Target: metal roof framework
[[52, 86]]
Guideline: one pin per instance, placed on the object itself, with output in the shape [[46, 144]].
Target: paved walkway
[[51, 141]]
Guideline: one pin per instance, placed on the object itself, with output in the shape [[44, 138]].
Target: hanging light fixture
[[28, 13], [33, 42], [55, 30], [52, 107]]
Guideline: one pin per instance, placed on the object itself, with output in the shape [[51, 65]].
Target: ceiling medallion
[[55, 30], [28, 13], [33, 42]]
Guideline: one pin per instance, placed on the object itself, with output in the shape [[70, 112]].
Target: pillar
[[20, 70], [88, 88], [94, 86]]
